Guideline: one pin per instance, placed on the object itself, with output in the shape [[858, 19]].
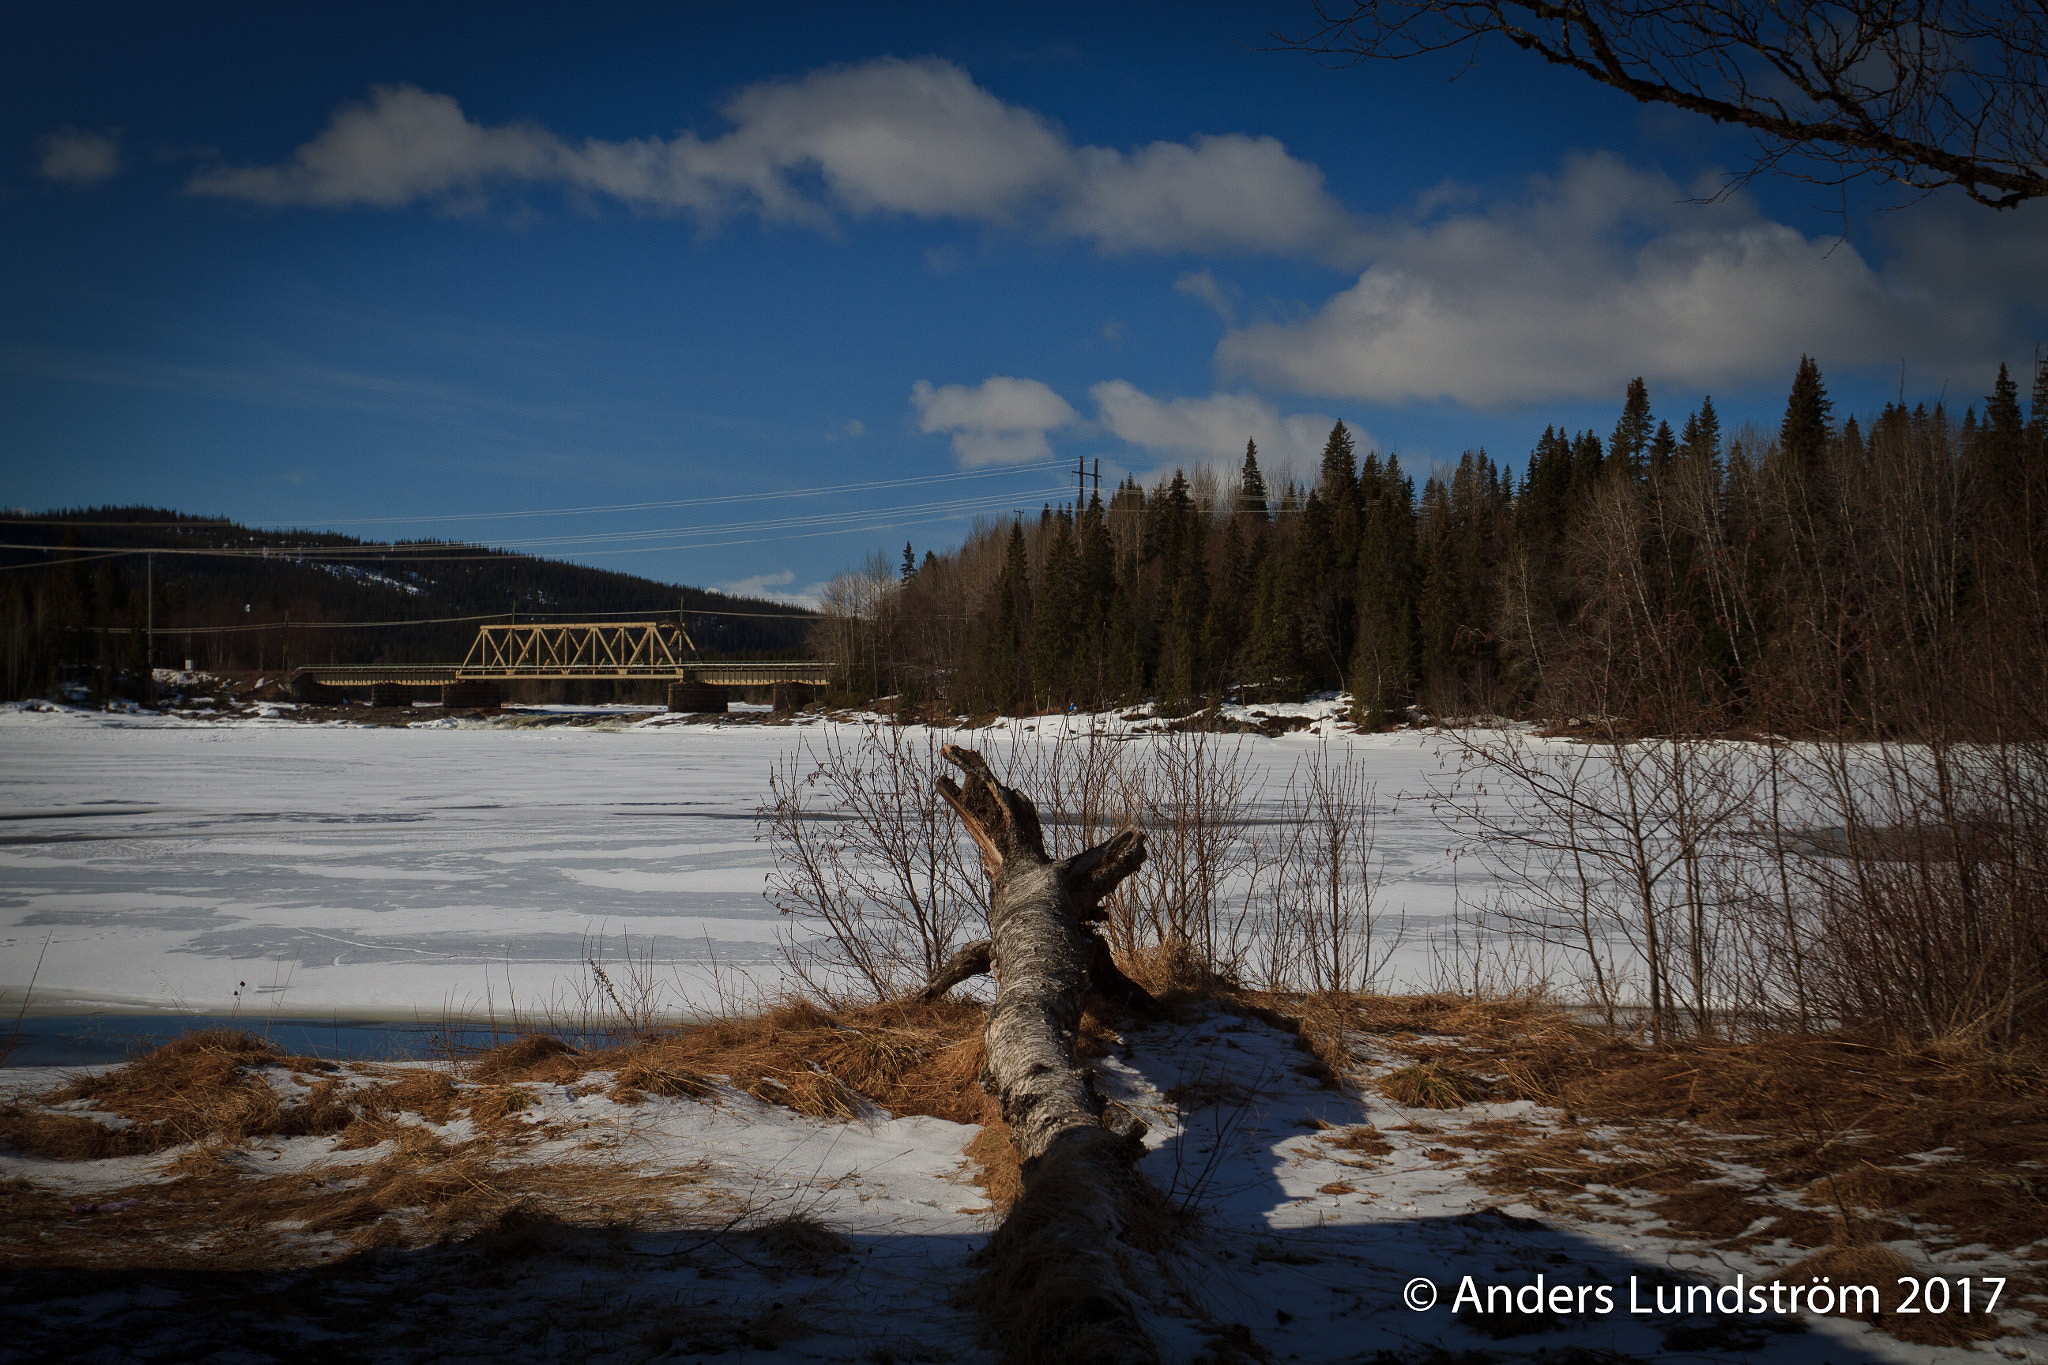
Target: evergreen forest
[[1883, 576]]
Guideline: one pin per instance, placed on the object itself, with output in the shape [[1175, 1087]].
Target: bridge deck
[[439, 675], [589, 649]]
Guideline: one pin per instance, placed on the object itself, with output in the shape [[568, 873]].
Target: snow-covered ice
[[457, 867]]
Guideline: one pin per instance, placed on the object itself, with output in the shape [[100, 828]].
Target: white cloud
[[772, 587], [1229, 193], [1002, 420], [79, 158], [916, 137], [403, 145], [1599, 274], [1203, 287], [1212, 428]]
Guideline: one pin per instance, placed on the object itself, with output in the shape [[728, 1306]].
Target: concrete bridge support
[[696, 697], [789, 696], [477, 695], [390, 694]]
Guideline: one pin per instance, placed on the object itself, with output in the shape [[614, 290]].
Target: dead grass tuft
[[669, 1082], [1360, 1140], [904, 1057], [800, 1241], [536, 1057], [207, 1086], [997, 1168], [1433, 1084], [496, 1107]]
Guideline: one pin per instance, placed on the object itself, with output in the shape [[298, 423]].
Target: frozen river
[[158, 864]]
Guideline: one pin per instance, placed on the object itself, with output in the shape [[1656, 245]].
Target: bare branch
[[1923, 94]]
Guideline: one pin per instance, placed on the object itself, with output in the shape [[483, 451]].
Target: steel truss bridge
[[604, 649]]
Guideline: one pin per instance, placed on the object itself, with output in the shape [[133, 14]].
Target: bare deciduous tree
[[1921, 93]]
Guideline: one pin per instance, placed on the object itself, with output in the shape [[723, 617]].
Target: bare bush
[[1919, 887], [1194, 794], [1609, 846], [880, 888], [870, 866], [1327, 933]]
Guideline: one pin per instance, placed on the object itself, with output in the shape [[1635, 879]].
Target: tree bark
[[1054, 1280]]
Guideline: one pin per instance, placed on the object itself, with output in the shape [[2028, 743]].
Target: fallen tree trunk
[[1055, 1272]]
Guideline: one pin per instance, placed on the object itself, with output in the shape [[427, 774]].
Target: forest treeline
[[76, 589], [1879, 576]]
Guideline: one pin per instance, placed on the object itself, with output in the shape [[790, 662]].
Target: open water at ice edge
[[107, 1039]]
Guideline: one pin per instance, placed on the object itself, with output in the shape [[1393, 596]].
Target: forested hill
[[1878, 576], [74, 595]]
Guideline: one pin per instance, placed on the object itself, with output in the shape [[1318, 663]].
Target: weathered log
[[1052, 1282], [971, 961]]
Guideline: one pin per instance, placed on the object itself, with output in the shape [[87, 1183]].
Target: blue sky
[[408, 270]]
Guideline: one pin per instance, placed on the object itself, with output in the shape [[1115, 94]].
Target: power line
[[835, 523], [822, 490]]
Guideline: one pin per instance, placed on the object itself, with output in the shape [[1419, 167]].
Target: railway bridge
[[603, 649]]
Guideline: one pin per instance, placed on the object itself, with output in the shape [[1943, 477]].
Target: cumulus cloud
[[1009, 420], [774, 587], [890, 136], [1595, 275], [1203, 287], [79, 158], [1212, 428], [1002, 420]]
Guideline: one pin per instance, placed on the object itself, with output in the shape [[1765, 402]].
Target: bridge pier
[[478, 695], [304, 689], [390, 694], [696, 697], [791, 696]]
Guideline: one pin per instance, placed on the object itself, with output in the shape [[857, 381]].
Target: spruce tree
[[1009, 662], [2001, 444], [1251, 484], [1803, 436], [1662, 447], [1631, 441], [1339, 473], [909, 563], [1382, 659], [1056, 627], [2037, 415], [1702, 437]]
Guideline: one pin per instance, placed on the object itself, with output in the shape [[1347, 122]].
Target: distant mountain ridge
[[75, 597]]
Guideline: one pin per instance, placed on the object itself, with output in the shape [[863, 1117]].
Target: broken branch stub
[[1052, 1281]]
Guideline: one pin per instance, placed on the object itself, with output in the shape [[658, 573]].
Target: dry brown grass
[[218, 1212], [1362, 1143], [996, 1167], [1882, 1267], [535, 1057], [902, 1057], [1838, 1116], [1436, 1083], [205, 1086]]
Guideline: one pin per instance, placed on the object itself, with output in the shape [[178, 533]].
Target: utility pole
[[149, 644]]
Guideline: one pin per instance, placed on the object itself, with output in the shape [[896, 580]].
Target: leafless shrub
[[1607, 846], [1917, 892], [1193, 792], [870, 864], [1328, 931]]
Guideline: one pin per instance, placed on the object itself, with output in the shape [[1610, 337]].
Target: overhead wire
[[832, 523], [821, 490]]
